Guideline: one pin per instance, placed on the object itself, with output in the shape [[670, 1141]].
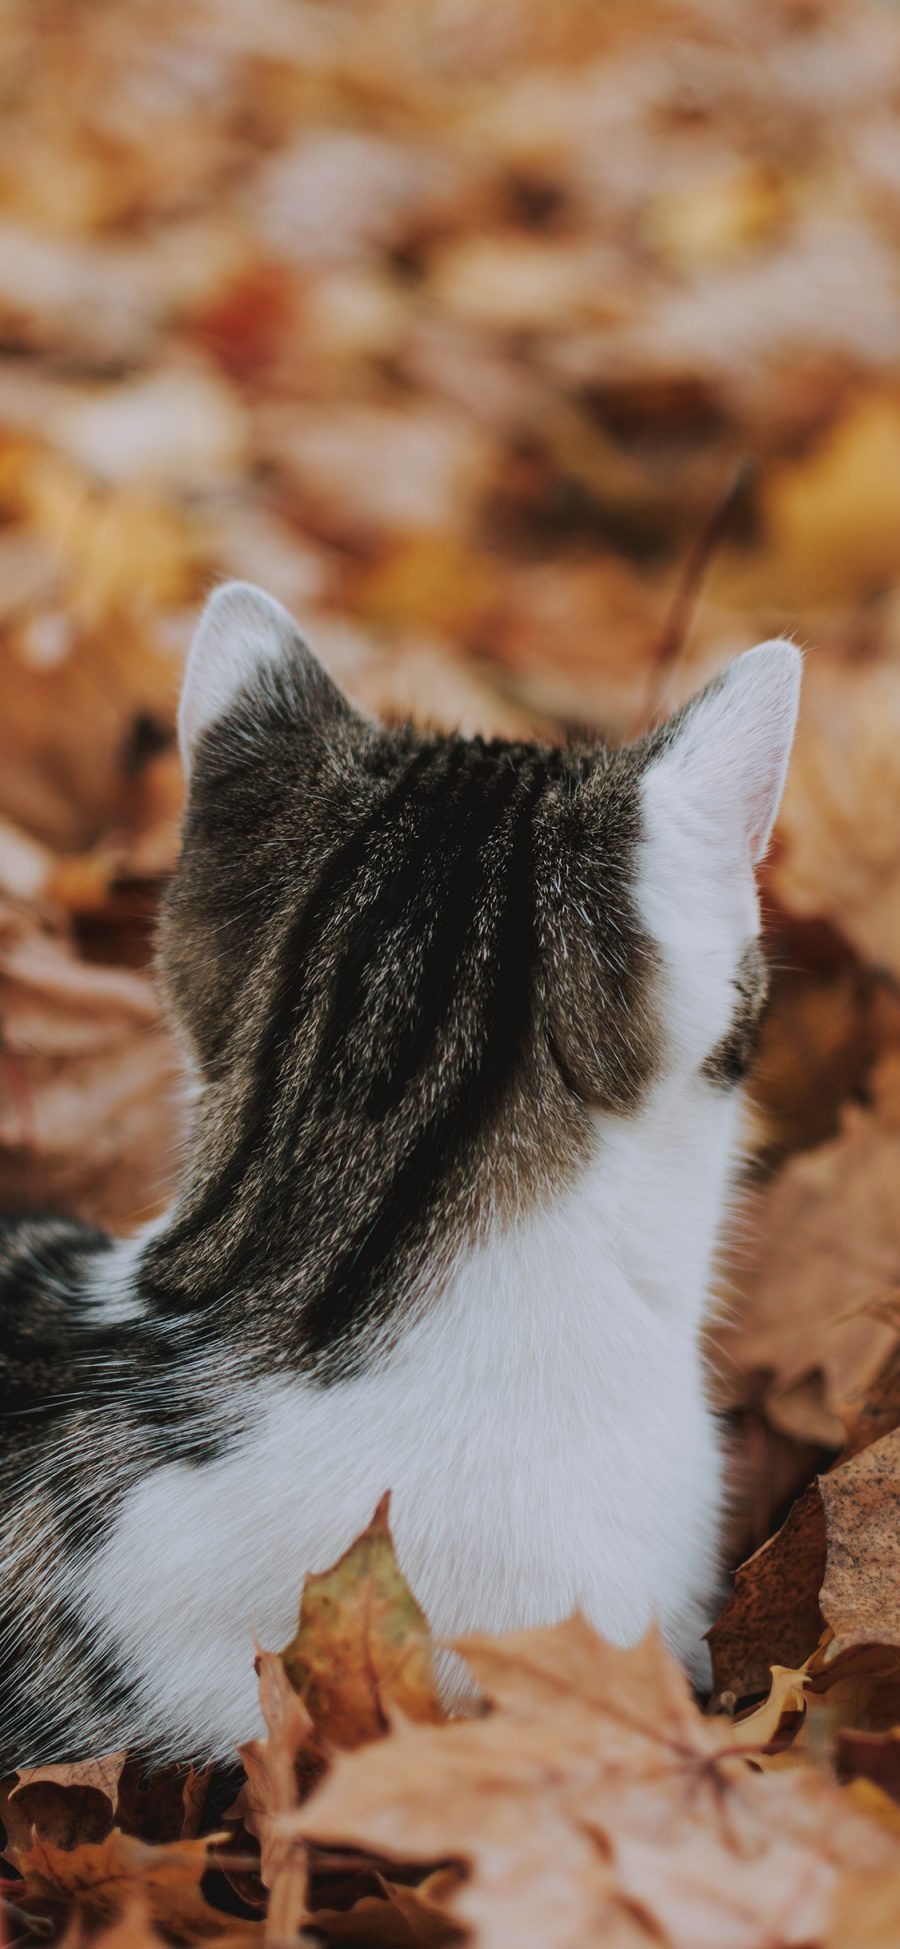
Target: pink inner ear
[[763, 801]]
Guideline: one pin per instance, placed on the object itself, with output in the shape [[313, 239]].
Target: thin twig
[[684, 601]]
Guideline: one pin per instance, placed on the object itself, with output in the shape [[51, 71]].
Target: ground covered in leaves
[[539, 358]]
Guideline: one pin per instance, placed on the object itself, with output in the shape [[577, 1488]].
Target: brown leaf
[[595, 1804], [840, 815], [829, 1252], [166, 1804], [860, 1595], [362, 471], [878, 1413], [835, 1563], [69, 1806], [362, 1649], [89, 1116], [773, 1616], [100, 1878], [133, 1929], [64, 1805], [399, 1918], [873, 1756], [271, 1792]]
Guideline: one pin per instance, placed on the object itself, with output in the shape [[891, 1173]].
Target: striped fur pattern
[[463, 1022]]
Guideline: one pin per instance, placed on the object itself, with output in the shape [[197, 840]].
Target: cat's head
[[420, 976]]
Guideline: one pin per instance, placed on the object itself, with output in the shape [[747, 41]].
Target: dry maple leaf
[[81, 1801], [839, 823], [397, 1917], [773, 1616], [362, 1648], [865, 1912], [830, 513], [270, 1792], [64, 1805], [89, 1118], [99, 1878], [835, 1563], [860, 1594], [828, 1231], [877, 1412], [594, 1804]]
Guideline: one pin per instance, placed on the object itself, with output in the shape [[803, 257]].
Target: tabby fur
[[463, 1023]]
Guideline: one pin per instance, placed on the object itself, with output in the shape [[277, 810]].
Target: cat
[[465, 1024]]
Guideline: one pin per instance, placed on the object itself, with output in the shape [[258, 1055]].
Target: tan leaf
[[775, 1718], [369, 470], [89, 1116], [595, 1804], [828, 1231], [829, 511], [865, 1912], [839, 858], [271, 1792]]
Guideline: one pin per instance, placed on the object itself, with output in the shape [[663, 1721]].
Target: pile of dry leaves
[[539, 358]]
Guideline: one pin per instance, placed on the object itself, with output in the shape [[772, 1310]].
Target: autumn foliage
[[539, 358]]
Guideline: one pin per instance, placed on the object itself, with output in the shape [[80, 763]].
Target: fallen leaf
[[828, 1231], [873, 1756], [860, 1594], [100, 1878], [362, 1649], [776, 1718], [773, 1616], [646, 1823], [877, 1413], [839, 857], [364, 471], [865, 1912], [398, 1918], [89, 1118], [835, 1563], [830, 512], [63, 1805], [271, 1792]]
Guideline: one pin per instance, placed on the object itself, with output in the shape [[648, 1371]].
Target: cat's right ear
[[242, 634]]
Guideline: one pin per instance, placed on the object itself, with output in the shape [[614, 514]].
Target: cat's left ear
[[723, 759], [242, 634]]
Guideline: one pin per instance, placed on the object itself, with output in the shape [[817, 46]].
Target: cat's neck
[[639, 1225]]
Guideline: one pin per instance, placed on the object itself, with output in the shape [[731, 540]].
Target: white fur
[[730, 759], [543, 1425], [241, 632], [542, 1430], [112, 1292]]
